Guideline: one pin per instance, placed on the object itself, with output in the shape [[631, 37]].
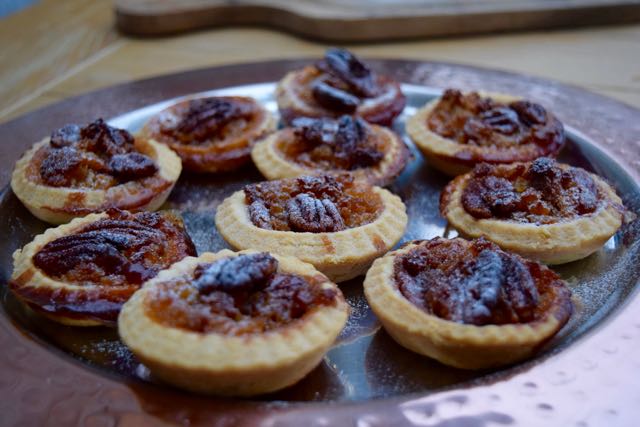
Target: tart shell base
[[230, 365], [59, 205], [453, 158], [556, 243], [340, 255], [273, 165], [456, 344]]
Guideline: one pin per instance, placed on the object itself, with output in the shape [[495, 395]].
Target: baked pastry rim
[[52, 204], [412, 326], [305, 339], [339, 255], [200, 158], [440, 151], [23, 265], [272, 163], [556, 243]]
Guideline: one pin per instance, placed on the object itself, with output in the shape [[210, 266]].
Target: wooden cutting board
[[365, 20]]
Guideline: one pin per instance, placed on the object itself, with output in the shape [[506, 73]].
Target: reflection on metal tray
[[365, 363]]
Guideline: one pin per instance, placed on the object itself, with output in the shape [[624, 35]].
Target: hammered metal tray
[[51, 374]]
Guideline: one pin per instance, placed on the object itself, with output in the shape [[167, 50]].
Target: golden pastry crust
[[215, 363], [461, 345], [453, 158], [214, 153], [91, 303], [272, 162], [58, 205], [556, 243], [340, 255]]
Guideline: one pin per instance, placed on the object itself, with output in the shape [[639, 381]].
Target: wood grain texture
[[604, 60], [367, 20], [43, 43]]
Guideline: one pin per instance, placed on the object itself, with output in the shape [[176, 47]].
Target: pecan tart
[[234, 324], [542, 210], [466, 304], [82, 272], [211, 134], [339, 84], [338, 224], [347, 145], [457, 131], [81, 170]]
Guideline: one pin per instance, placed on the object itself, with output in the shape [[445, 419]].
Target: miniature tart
[[81, 170], [234, 324], [339, 84], [338, 224], [211, 134], [466, 304], [542, 210], [82, 272], [457, 131], [370, 152]]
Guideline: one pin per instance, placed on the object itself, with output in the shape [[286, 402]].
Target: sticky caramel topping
[[313, 204], [477, 121], [204, 120], [346, 144], [121, 250], [96, 156], [475, 282], [237, 296], [541, 192]]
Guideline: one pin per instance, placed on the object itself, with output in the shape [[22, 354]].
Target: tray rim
[[239, 74]]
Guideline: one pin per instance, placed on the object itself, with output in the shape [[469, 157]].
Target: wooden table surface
[[60, 48]]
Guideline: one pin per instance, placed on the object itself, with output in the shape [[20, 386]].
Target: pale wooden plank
[[574, 57], [45, 41]]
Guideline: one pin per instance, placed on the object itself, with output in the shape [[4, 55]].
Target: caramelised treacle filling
[[477, 121], [347, 143], [122, 250], [237, 296], [207, 120], [313, 204], [95, 156], [540, 192], [475, 282]]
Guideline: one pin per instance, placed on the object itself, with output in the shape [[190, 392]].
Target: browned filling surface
[[540, 192], [476, 282], [216, 121], [123, 249], [476, 121], [110, 258], [236, 296], [313, 204], [96, 156], [341, 83], [347, 144]]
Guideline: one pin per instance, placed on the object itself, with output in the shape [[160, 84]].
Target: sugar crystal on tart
[[338, 84], [337, 223], [235, 324], [82, 273], [80, 170], [346, 145], [459, 130], [212, 134], [468, 304], [544, 210]]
